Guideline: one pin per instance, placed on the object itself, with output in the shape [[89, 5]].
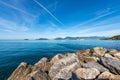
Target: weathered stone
[[95, 65], [42, 65], [69, 54], [56, 58], [87, 73], [82, 54], [21, 72], [108, 55], [117, 55], [37, 75], [99, 51], [113, 64], [91, 59], [112, 51], [108, 76], [62, 69]]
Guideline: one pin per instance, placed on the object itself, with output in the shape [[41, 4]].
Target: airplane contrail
[[48, 11], [18, 9]]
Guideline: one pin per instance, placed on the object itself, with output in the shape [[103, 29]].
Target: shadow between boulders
[[74, 77]]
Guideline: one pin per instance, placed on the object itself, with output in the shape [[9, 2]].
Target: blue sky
[[32, 19]]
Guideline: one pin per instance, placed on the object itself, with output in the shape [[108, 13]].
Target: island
[[42, 39], [26, 39], [90, 64], [80, 38], [117, 37]]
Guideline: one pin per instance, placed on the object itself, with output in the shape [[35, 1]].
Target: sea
[[13, 52]]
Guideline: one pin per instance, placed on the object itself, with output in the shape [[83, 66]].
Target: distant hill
[[79, 38], [42, 39], [117, 37], [26, 39]]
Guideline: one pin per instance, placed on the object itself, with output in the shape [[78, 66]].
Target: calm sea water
[[12, 52]]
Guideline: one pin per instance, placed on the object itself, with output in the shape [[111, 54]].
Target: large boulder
[[42, 65], [95, 65], [37, 75], [63, 68], [108, 55], [90, 59], [117, 55], [82, 54], [112, 51], [99, 51], [56, 58], [113, 64], [21, 72], [108, 76], [87, 73]]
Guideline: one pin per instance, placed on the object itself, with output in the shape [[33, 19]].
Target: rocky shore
[[95, 64]]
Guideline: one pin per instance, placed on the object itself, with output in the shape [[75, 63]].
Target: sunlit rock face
[[62, 69], [87, 73]]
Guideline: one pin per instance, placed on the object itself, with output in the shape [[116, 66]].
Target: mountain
[[42, 39], [59, 38], [79, 38], [26, 39], [117, 37]]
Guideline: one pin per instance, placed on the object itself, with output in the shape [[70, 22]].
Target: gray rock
[[21, 72], [117, 55], [108, 76], [99, 51], [95, 65], [90, 59], [56, 58], [37, 75], [87, 73], [42, 65], [108, 55], [62, 69], [113, 64]]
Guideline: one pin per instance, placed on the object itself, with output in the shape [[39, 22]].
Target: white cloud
[[15, 8], [12, 26], [48, 11]]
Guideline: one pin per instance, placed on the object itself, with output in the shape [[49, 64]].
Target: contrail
[[13, 7], [48, 11]]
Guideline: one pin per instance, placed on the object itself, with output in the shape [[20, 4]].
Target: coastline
[[96, 63]]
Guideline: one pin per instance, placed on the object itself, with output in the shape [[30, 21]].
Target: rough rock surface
[[99, 51], [108, 55], [87, 73], [117, 55], [91, 59], [108, 76], [42, 65], [113, 64], [63, 68], [95, 65], [56, 58], [21, 72], [82, 54], [112, 51], [37, 75]]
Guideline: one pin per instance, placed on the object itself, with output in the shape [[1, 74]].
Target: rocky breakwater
[[97, 63]]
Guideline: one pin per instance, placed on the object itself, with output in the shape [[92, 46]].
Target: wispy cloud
[[15, 8], [48, 11], [99, 15], [104, 33], [10, 26]]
